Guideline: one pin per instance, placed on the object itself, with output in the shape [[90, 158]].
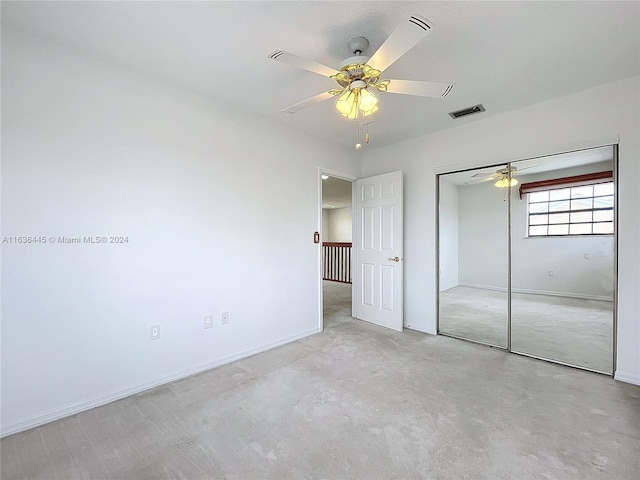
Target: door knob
[[394, 259]]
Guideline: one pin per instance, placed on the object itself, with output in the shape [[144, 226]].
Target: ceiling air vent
[[467, 111]]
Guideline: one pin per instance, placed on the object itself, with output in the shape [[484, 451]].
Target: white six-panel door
[[377, 245]]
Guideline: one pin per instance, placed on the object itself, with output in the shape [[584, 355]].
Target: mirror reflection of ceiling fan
[[504, 177], [359, 76]]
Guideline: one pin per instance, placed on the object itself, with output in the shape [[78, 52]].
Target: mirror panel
[[473, 262], [562, 270]]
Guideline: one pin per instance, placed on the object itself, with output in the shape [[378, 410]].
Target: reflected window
[[575, 210]]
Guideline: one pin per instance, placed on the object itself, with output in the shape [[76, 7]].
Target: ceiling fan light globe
[[506, 182], [368, 101], [353, 114], [370, 112], [345, 103], [348, 104]]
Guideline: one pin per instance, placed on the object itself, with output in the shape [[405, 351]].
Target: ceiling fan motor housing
[[352, 61], [354, 66], [357, 45]]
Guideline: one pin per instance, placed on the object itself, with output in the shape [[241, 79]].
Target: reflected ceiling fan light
[[506, 182]]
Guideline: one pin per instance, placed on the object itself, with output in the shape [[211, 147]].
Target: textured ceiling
[[504, 55]]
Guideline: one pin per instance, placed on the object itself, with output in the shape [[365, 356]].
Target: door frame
[[344, 176]]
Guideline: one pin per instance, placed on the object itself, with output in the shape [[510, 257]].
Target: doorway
[[527, 257], [336, 249], [376, 263]]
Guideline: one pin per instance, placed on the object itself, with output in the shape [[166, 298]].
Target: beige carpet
[[354, 402], [573, 331]]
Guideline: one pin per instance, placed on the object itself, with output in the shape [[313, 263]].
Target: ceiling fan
[[358, 76], [504, 177]]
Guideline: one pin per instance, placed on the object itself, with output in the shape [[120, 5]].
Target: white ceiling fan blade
[[308, 102], [402, 39], [310, 65], [482, 174], [481, 180], [518, 170], [422, 89]]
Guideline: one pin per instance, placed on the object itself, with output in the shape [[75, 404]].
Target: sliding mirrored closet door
[[527, 257], [562, 259], [473, 242]]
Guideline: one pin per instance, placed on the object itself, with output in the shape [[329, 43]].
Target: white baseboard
[[627, 377], [103, 399], [580, 296]]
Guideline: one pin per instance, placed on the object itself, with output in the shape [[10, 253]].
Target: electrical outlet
[[208, 321], [155, 332], [225, 318], [586, 256], [551, 273]]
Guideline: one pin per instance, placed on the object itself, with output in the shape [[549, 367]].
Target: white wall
[[326, 225], [448, 235], [91, 149], [586, 119], [340, 221]]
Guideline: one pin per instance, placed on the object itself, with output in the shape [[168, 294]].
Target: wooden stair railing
[[336, 261]]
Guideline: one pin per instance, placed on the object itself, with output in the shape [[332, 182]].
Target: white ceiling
[[504, 55]]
